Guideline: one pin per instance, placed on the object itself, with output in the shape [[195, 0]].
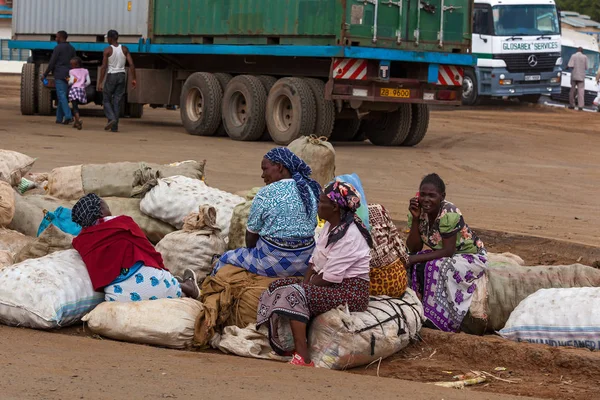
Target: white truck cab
[[518, 46], [571, 40]]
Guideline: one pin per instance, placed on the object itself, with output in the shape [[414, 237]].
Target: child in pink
[[79, 79]]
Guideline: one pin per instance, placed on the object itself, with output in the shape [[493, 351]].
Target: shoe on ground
[[571, 107], [299, 361], [580, 109], [109, 125], [68, 122]]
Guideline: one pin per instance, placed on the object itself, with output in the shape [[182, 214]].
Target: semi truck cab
[[518, 46]]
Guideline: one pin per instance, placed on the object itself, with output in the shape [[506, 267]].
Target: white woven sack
[[6, 258], [176, 197], [341, 340], [14, 166], [163, 322], [49, 292], [246, 342], [557, 317]]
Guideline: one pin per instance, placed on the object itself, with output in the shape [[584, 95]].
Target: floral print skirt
[[146, 283], [447, 288]]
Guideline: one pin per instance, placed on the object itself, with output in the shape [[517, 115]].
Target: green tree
[[587, 7]]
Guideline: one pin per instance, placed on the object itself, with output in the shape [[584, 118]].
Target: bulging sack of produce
[[65, 183], [163, 322], [557, 317], [7, 204], [508, 285], [500, 259], [174, 198], [6, 259], [13, 241], [154, 229], [195, 246], [342, 340], [14, 166], [246, 342], [45, 293], [30, 212], [319, 154], [239, 221], [50, 241]]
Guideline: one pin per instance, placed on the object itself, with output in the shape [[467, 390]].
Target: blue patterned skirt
[[282, 259], [78, 94], [141, 282]]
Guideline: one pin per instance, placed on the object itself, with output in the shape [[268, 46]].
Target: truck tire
[[418, 125], [134, 110], [224, 80], [244, 105], [470, 95], [361, 135], [44, 95], [291, 110], [325, 108], [28, 77], [268, 82], [392, 129], [201, 98], [345, 129]]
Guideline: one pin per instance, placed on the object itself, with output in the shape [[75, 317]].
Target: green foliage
[[587, 7]]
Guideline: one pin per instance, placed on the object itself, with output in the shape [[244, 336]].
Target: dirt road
[[515, 169]]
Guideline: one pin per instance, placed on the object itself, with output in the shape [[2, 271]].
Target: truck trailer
[[266, 69], [517, 44]]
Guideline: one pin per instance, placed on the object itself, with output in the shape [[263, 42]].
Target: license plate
[[398, 93], [533, 77]]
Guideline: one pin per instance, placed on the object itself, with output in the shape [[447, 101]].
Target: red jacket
[[108, 247]]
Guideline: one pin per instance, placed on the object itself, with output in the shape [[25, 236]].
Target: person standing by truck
[[59, 66], [579, 65], [113, 68]]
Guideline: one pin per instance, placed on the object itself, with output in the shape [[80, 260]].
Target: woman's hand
[[415, 208]]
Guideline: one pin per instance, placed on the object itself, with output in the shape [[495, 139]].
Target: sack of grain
[[6, 259], [175, 198], [113, 179], [50, 241], [14, 166], [342, 340], [29, 212], [13, 241], [239, 221], [163, 322], [319, 154], [500, 259], [557, 317], [246, 342], [154, 229], [508, 285], [45, 293], [7, 204], [230, 298], [195, 246]]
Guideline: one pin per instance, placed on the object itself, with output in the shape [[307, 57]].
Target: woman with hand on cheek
[[446, 276]]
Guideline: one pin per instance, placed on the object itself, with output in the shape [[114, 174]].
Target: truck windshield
[[593, 59], [525, 20]]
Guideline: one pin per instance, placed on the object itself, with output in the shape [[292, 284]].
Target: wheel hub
[[195, 104], [284, 113], [467, 87]]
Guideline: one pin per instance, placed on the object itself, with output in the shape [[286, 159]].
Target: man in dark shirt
[[60, 64]]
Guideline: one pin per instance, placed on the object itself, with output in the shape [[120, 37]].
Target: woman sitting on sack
[[119, 258], [282, 220], [446, 276], [338, 274]]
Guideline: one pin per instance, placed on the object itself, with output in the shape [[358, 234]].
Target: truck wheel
[[470, 95], [201, 98], [325, 108], [361, 135], [392, 129], [244, 105], [28, 77], [345, 129], [44, 95], [134, 110], [530, 98], [268, 82], [224, 80], [291, 110], [418, 125]]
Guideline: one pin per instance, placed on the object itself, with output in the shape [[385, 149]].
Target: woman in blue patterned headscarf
[[282, 220]]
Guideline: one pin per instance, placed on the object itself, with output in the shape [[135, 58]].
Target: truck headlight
[[559, 61]]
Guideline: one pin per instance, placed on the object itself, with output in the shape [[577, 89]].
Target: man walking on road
[[60, 65], [115, 58], [579, 65]]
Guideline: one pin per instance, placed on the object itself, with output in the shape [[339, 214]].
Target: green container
[[416, 25]]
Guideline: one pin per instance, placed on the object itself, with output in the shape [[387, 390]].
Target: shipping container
[[84, 20], [435, 25]]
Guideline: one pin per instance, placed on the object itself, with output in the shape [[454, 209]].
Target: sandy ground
[[514, 171]]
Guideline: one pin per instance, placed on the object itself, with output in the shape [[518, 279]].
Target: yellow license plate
[[399, 93]]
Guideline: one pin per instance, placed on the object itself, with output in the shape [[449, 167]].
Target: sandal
[[299, 361], [80, 125]]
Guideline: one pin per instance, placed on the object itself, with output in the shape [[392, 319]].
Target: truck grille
[[521, 62]]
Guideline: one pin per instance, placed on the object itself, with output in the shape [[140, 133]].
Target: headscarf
[[300, 173], [346, 196], [87, 210]]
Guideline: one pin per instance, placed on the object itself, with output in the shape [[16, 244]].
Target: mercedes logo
[[532, 60]]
